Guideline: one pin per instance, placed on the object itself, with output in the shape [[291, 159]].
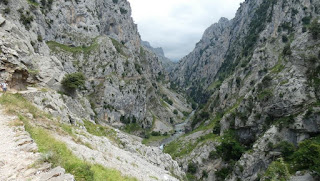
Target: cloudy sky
[[177, 25]]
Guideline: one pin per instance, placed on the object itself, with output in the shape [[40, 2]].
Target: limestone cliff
[[125, 85], [256, 79], [97, 38]]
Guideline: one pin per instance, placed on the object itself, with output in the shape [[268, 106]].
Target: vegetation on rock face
[[223, 173], [286, 148], [123, 11], [230, 148], [26, 18], [5, 2], [119, 47], [277, 170], [287, 50], [315, 29], [307, 156], [55, 46], [192, 168], [73, 81]]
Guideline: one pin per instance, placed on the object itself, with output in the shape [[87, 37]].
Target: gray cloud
[[178, 25]]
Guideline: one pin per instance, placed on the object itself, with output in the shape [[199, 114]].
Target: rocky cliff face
[[256, 76], [97, 38], [126, 86], [203, 63]]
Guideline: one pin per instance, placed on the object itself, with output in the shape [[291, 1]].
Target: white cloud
[[177, 25]]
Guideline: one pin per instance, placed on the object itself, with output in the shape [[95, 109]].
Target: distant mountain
[[167, 64]]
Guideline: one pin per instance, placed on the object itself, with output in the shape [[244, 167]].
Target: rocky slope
[[256, 77], [96, 145], [126, 86]]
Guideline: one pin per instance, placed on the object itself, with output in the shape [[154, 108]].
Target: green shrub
[[287, 50], [265, 95], [230, 149], [123, 11], [138, 68], [124, 119], [315, 29], [306, 20], [5, 2], [192, 168], [307, 157], [286, 148], [115, 1], [166, 98], [204, 174], [175, 112], [304, 29], [194, 106], [216, 128], [40, 38], [277, 170], [185, 113], [213, 155], [284, 39], [266, 81], [204, 115], [223, 173], [155, 133], [238, 81], [26, 18], [7, 10], [73, 81]]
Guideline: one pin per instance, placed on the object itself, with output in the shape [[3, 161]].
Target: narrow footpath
[[19, 157]]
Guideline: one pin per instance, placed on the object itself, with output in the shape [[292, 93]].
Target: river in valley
[[179, 130]]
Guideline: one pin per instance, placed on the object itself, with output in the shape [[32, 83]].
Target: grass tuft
[[55, 46], [16, 102], [99, 130]]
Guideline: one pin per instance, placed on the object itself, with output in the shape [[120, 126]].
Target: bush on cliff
[[73, 81]]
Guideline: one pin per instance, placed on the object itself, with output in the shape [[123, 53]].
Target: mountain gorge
[[247, 97]]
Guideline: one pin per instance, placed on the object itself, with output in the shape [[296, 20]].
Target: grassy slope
[[59, 153]]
